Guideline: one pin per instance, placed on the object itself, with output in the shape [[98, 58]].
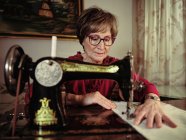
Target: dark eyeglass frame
[[100, 39]]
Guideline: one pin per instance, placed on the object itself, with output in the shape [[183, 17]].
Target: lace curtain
[[159, 43]]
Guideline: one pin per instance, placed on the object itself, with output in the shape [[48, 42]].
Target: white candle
[[53, 49]]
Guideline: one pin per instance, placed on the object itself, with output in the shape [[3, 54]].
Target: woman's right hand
[[91, 98], [97, 98]]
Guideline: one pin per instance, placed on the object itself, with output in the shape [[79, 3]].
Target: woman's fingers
[[97, 98], [139, 117], [150, 119], [168, 121], [152, 112], [138, 110], [158, 120], [103, 101]]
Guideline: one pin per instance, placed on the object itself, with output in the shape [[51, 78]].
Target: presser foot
[[129, 110]]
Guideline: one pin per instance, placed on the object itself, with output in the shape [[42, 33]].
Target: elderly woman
[[97, 31]]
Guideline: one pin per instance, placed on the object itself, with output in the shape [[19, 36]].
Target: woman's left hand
[[151, 111]]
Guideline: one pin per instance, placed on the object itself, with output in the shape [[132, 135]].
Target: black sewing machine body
[[46, 107]]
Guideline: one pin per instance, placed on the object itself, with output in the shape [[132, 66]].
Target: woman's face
[[96, 50]]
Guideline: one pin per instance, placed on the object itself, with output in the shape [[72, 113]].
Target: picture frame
[[39, 18]]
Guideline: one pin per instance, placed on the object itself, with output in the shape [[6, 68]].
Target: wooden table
[[181, 103], [90, 123]]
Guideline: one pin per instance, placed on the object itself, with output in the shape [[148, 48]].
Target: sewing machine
[[47, 107]]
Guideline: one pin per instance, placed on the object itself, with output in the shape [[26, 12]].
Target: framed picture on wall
[[39, 18]]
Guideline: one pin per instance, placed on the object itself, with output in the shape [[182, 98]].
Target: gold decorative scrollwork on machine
[[74, 67], [45, 115]]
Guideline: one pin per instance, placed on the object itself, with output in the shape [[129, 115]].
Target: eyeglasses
[[95, 40]]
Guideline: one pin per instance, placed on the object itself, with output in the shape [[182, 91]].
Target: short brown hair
[[93, 20]]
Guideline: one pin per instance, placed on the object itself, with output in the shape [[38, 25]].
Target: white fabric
[[164, 133]]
